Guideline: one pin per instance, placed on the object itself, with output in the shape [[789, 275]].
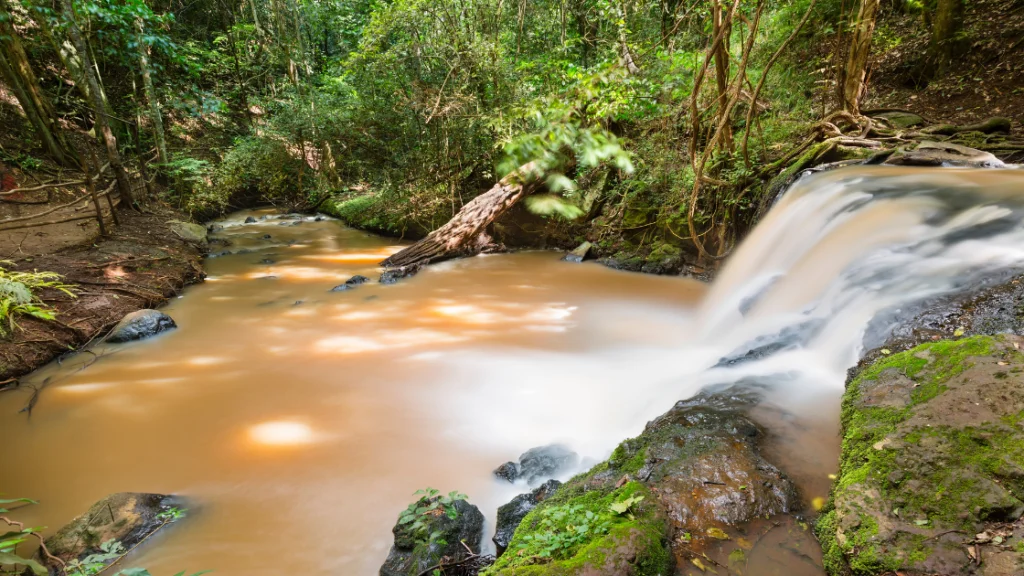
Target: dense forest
[[651, 126]]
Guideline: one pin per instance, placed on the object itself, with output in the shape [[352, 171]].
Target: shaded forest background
[[655, 128]]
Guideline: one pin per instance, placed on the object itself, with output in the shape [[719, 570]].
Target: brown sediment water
[[298, 422]]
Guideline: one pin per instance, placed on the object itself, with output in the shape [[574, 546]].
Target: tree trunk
[[17, 72], [147, 86], [464, 235], [720, 26], [946, 44], [851, 90], [95, 92]]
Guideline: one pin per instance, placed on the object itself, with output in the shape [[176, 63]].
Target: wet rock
[[350, 283], [268, 261], [393, 275], [266, 236], [539, 464], [932, 469], [318, 219], [413, 552], [219, 254], [693, 480], [141, 324], [511, 514], [126, 517], [508, 471], [579, 254], [214, 228], [188, 231], [944, 154], [250, 220], [624, 261]]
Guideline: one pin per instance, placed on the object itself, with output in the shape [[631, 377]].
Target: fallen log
[[464, 234]]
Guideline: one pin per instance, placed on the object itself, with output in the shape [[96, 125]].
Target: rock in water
[[393, 275], [188, 231], [508, 471], [511, 514], [250, 220], [350, 283], [413, 553], [931, 474], [579, 254], [693, 480], [126, 517], [539, 464], [141, 324]]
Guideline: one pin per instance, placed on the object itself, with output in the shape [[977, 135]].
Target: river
[[299, 421]]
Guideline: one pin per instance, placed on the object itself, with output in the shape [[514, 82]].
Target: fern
[[18, 295]]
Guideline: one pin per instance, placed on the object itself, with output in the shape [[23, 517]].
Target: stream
[[299, 421]]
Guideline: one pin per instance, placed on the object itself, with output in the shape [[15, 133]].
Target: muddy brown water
[[299, 421]]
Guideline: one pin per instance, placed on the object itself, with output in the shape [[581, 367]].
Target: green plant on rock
[[431, 504], [18, 295]]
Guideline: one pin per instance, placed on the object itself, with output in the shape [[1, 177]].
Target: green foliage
[[14, 536], [431, 504], [19, 295]]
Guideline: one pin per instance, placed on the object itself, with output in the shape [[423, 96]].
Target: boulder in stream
[[539, 464], [126, 518], [689, 484], [579, 254], [393, 275], [139, 325], [350, 283], [931, 475], [432, 537], [511, 514], [250, 220]]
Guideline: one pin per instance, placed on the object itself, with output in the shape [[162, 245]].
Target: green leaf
[[8, 559], [134, 572]]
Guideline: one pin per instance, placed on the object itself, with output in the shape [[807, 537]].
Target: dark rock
[[318, 219], [511, 514], [693, 480], [412, 554], [932, 461], [623, 261], [266, 236], [393, 275], [665, 259], [139, 325], [944, 154], [268, 261], [538, 464], [579, 254], [250, 220], [269, 277], [508, 471], [214, 228], [219, 254], [127, 517], [350, 283]]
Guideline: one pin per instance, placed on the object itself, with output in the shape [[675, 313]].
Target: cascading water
[[326, 410]]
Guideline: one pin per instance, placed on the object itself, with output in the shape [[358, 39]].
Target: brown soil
[[140, 264], [988, 81]]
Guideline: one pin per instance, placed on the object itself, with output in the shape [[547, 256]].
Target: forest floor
[[141, 264]]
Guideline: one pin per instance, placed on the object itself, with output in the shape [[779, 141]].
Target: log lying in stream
[[464, 234]]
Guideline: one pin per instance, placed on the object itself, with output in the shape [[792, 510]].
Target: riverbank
[[147, 259]]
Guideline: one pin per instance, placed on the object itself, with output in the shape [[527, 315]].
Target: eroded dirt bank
[[143, 262]]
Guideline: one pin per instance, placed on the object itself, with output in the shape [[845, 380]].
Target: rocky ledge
[[682, 493], [932, 472]]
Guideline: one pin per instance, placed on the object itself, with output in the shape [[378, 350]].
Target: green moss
[[643, 530], [954, 495]]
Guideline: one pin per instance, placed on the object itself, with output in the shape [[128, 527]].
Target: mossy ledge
[[932, 470], [692, 477]]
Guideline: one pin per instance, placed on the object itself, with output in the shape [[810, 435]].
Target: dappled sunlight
[[294, 273], [385, 340], [281, 433], [206, 360], [84, 388]]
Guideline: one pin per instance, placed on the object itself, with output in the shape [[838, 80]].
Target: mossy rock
[[699, 472], [664, 259], [633, 542], [126, 517], [933, 454], [413, 553]]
